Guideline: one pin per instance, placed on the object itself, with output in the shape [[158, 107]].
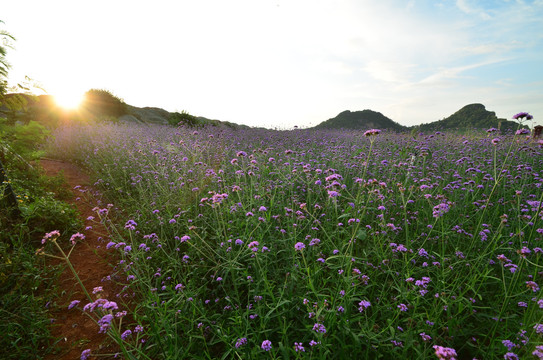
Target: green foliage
[[21, 139], [5, 38], [26, 286], [103, 104], [183, 118], [46, 214], [28, 137], [13, 106]]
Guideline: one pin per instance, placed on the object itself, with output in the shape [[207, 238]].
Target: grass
[[318, 244]]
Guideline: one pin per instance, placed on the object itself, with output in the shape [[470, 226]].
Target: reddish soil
[[74, 328]]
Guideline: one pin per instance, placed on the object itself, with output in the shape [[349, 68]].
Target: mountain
[[360, 120], [472, 116]]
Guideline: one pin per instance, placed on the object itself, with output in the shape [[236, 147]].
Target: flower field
[[317, 244]]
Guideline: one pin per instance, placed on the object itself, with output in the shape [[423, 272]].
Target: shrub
[[183, 118], [102, 103]]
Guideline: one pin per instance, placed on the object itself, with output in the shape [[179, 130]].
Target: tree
[[5, 39], [7, 195], [102, 103]]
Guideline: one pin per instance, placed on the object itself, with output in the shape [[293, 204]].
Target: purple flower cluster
[[445, 353], [51, 235], [372, 132], [266, 345], [434, 210], [522, 115]]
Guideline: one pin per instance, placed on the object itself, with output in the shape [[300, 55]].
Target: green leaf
[[361, 234]]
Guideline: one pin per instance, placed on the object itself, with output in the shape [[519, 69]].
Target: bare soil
[[91, 261]]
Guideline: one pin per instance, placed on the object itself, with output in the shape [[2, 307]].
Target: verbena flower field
[[317, 244]]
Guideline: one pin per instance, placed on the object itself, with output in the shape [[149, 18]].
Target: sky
[[285, 63]]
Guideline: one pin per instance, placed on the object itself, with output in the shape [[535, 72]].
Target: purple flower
[[299, 246], [104, 322], [509, 344], [253, 245], [372, 132], [522, 115], [363, 305], [532, 285], [510, 356], [538, 352], [53, 234], [425, 337], [241, 342], [130, 225], [319, 328], [445, 353], [73, 304], [538, 328], [402, 307], [126, 334], [440, 210], [185, 238], [110, 305], [76, 236], [85, 354], [266, 345], [298, 347]]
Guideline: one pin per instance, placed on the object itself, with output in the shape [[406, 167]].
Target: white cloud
[[467, 8], [389, 71]]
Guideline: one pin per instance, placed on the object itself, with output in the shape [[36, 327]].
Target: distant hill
[[360, 120], [473, 116], [44, 109]]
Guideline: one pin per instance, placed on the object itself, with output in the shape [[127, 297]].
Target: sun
[[69, 100]]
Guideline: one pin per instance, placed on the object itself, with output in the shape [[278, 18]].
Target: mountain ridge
[[471, 116]]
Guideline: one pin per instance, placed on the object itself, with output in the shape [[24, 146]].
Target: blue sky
[[278, 63]]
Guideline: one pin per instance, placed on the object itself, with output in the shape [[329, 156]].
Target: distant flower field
[[318, 244]]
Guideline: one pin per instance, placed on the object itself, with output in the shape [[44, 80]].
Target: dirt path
[[89, 258]]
